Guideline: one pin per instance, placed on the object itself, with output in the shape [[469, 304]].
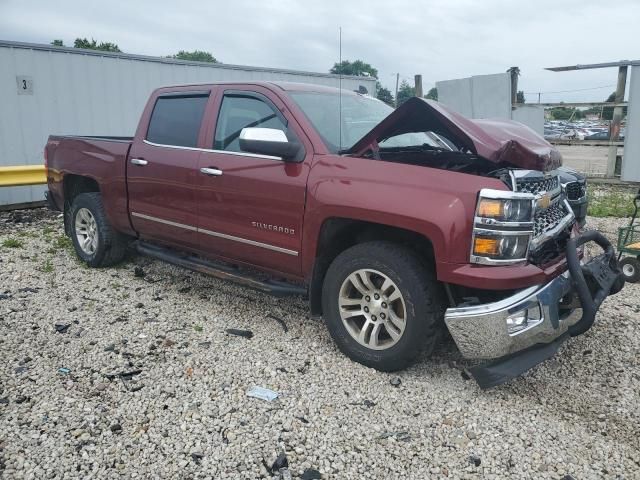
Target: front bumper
[[518, 332]]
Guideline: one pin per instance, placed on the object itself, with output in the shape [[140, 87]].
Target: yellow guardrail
[[16, 176]]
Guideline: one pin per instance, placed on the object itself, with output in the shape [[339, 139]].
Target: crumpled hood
[[499, 141]]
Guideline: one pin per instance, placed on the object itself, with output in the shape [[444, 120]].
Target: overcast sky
[[441, 39]]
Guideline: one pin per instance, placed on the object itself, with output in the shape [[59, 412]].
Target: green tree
[[405, 92], [57, 43], [195, 56], [520, 97], [384, 94], [607, 112], [432, 94], [93, 45], [356, 68], [566, 113]]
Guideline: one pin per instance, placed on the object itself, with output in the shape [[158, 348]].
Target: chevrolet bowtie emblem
[[544, 201]]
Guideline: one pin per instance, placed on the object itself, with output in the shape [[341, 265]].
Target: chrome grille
[[537, 185], [548, 219], [575, 190]]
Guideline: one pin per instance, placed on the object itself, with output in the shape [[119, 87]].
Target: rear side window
[[238, 112], [176, 120]]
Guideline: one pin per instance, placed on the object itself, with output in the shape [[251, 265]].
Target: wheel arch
[[338, 234], [72, 186]]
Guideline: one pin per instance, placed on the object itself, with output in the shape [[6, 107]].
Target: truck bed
[[101, 159], [92, 137]]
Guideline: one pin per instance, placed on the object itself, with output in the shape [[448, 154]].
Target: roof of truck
[[286, 86]]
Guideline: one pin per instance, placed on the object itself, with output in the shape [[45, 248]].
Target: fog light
[[524, 319]]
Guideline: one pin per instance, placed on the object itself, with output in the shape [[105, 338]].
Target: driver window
[[239, 112]]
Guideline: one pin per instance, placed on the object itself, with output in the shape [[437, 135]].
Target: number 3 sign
[[25, 85]]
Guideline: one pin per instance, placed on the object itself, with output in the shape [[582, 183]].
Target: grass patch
[[47, 266], [62, 242], [48, 230], [12, 243], [198, 328], [610, 202]]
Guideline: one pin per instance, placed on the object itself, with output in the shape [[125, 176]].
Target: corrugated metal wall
[[47, 90]]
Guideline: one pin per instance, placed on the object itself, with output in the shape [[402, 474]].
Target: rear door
[[162, 166], [252, 208]]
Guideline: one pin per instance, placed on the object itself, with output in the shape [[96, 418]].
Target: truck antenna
[[340, 91]]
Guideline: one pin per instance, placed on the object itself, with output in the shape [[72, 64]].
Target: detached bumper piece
[[514, 334]]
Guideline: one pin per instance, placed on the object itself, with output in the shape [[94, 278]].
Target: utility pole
[[515, 72], [418, 82], [615, 122], [397, 80]]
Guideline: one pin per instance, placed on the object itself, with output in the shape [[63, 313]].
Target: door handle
[[139, 161], [214, 172]]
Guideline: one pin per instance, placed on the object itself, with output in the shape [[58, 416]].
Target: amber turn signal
[[486, 246], [490, 208]]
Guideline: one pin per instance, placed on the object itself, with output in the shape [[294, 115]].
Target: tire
[[630, 267], [86, 214], [420, 301]]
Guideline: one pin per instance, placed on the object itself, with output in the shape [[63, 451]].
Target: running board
[[224, 272]]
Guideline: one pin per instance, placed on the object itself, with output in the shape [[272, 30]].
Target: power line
[[570, 91]]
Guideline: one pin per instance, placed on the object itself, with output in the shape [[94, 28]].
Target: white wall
[[631, 158], [531, 115], [488, 96], [480, 96], [95, 93]]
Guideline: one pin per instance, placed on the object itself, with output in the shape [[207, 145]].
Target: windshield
[[359, 115]]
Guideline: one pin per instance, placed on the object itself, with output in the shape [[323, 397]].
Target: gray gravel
[[155, 387]]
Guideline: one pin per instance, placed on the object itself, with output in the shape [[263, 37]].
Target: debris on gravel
[[239, 333], [149, 384]]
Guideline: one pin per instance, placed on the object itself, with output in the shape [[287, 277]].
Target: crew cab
[[397, 224]]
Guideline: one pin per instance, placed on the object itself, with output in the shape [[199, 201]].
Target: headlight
[[503, 226], [506, 210], [498, 246]]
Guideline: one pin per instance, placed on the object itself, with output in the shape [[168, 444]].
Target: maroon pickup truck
[[397, 224]]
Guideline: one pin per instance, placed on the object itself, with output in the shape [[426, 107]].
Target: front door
[[251, 206], [161, 174]]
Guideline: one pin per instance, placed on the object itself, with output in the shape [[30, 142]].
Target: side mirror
[[268, 141]]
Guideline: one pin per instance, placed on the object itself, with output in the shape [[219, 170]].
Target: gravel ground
[[139, 379]]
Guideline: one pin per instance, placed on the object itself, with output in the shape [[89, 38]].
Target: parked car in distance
[[397, 224]]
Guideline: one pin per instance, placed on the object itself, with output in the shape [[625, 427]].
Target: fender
[[437, 204]]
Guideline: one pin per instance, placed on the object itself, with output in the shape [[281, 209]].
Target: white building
[[59, 90]]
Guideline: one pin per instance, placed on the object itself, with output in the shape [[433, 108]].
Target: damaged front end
[[487, 145], [509, 336], [530, 222]]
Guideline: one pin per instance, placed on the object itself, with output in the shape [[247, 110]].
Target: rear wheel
[[95, 241], [382, 306], [630, 267]]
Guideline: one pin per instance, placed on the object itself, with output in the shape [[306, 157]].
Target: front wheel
[[630, 267], [95, 241], [381, 305]]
